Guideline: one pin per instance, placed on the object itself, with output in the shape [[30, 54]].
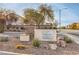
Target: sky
[[69, 11]]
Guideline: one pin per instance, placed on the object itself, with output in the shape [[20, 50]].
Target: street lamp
[[60, 10]]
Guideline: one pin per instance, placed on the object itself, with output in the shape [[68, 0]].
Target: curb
[[11, 53]]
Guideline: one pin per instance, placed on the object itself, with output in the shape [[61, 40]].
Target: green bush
[[3, 39], [67, 40], [36, 43], [1, 28]]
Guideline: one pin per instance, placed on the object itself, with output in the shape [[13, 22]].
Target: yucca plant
[[36, 43], [1, 28], [67, 40]]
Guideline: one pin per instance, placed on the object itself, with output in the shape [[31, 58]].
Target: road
[[73, 34]]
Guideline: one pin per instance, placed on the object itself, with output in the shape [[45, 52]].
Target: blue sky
[[68, 16]]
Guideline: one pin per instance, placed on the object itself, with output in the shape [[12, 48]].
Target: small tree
[[32, 16]]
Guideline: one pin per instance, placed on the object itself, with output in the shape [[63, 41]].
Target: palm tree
[[46, 11]]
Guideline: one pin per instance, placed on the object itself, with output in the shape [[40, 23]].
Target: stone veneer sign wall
[[45, 34]]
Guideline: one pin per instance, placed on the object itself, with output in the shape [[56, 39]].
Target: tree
[[2, 20], [2, 16], [13, 17], [39, 19], [46, 11], [7, 16], [31, 15]]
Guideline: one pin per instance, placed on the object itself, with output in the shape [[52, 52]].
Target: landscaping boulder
[[53, 46], [46, 46], [61, 42]]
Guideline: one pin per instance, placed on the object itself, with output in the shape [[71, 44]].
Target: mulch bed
[[70, 49]]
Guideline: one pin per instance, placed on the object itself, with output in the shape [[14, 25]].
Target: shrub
[[18, 37], [3, 39], [67, 40], [20, 47], [36, 43], [1, 28]]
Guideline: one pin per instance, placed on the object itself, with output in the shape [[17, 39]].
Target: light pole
[[60, 14], [59, 18]]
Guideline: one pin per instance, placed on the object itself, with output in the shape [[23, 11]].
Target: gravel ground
[[70, 49], [11, 46]]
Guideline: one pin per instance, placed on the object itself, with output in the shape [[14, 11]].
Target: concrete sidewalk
[[73, 37]]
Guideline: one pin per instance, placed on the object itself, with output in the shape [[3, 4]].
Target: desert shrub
[[18, 37], [20, 46], [3, 39], [1, 28], [67, 40], [36, 43]]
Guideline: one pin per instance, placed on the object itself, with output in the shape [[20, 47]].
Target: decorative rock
[[45, 46], [60, 37], [61, 42], [53, 46]]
